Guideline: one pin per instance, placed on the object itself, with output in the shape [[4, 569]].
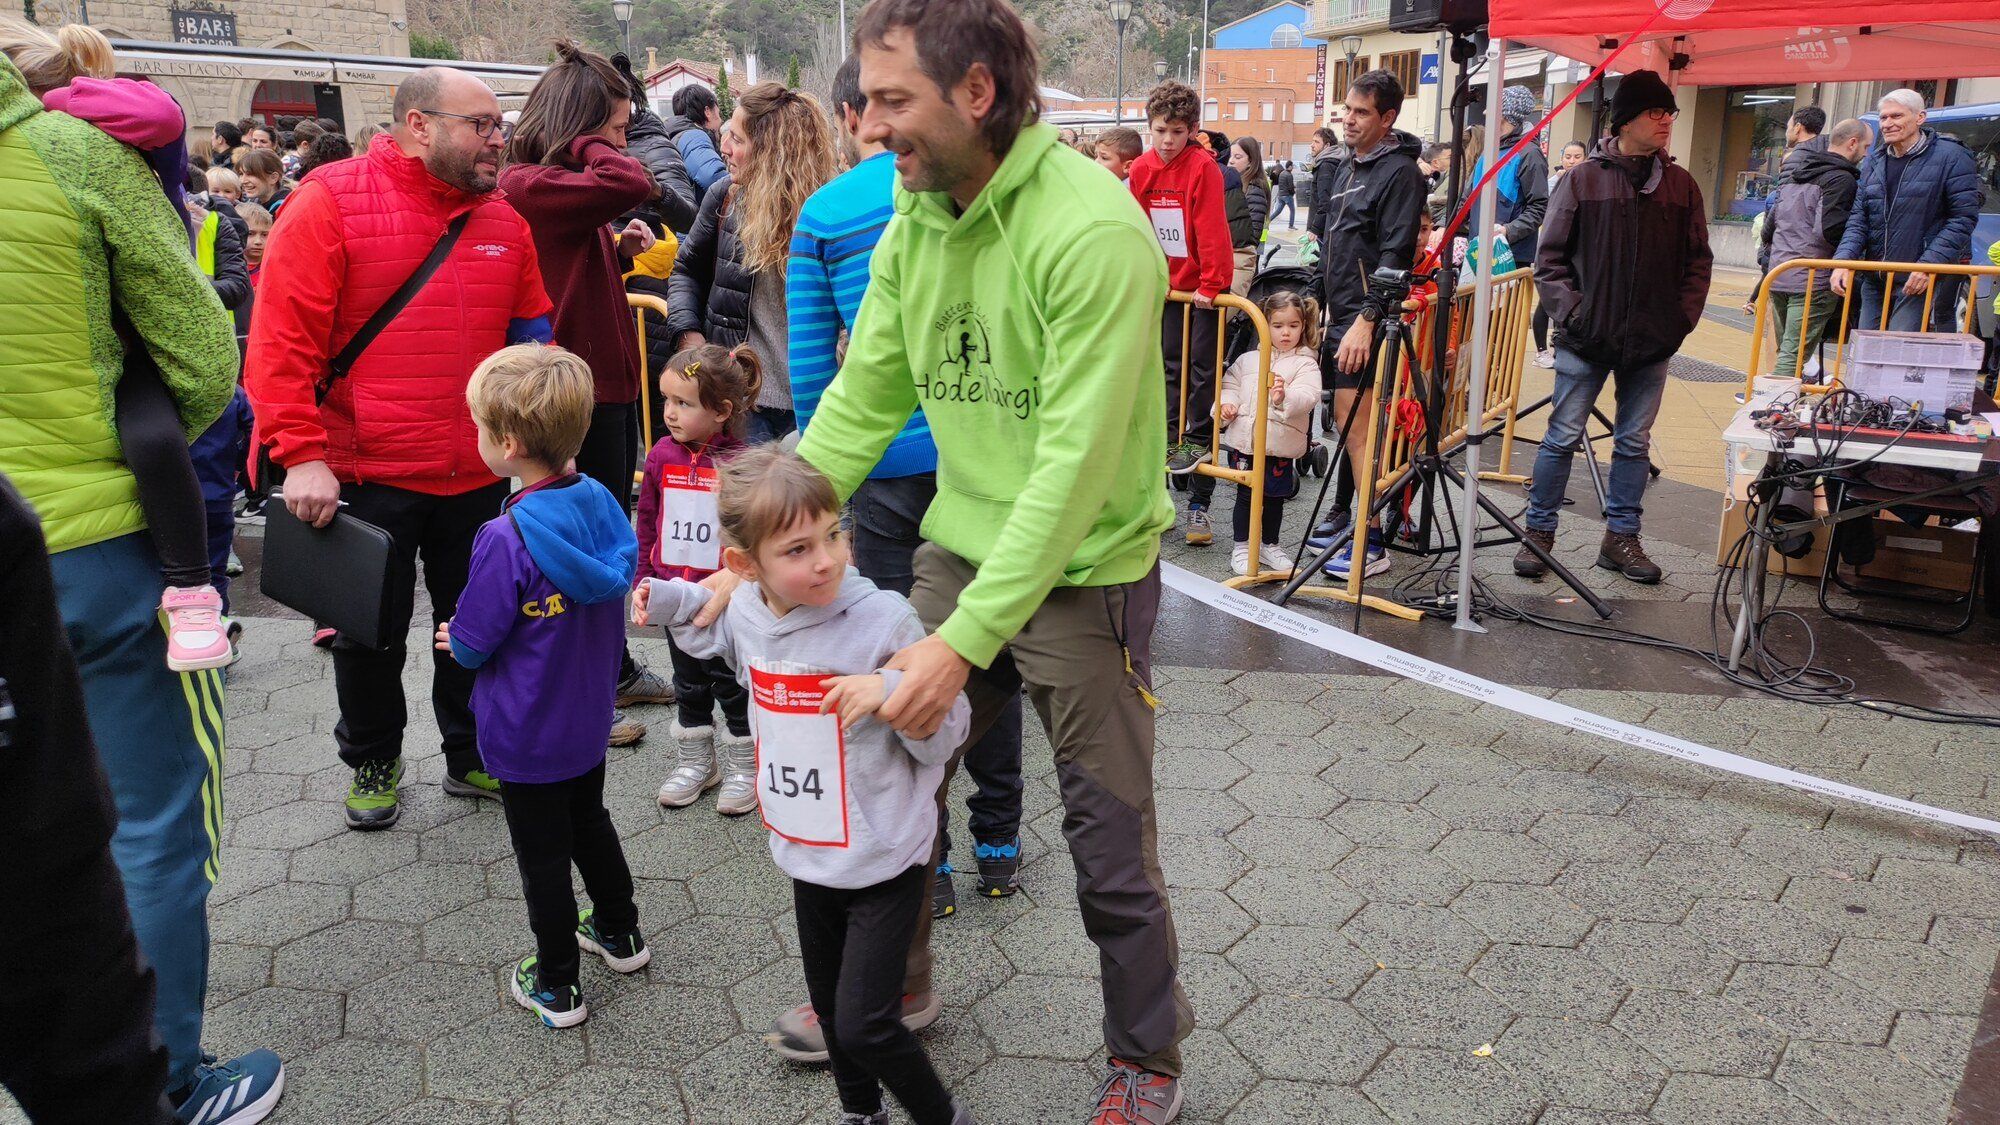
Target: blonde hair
[[222, 179], [254, 215], [48, 61], [539, 395], [792, 155], [763, 491]]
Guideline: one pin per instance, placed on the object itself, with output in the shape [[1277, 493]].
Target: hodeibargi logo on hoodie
[[964, 371]]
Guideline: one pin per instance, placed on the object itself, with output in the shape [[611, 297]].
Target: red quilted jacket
[[348, 237]]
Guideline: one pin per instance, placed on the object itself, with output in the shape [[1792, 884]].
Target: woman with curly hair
[[728, 285]]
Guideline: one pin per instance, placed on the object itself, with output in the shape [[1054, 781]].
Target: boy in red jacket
[[1179, 186]]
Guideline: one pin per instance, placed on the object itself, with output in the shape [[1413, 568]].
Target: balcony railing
[[1353, 15]]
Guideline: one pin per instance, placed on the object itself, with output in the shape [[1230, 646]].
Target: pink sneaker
[[195, 636]]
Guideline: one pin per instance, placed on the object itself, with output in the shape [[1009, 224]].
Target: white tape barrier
[[1321, 635]]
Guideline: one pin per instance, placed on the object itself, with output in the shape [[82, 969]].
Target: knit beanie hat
[[1638, 92], [1517, 105]]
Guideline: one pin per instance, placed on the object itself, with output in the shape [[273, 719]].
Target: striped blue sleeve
[[813, 321]]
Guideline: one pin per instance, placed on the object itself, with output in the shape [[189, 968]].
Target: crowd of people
[[913, 420]]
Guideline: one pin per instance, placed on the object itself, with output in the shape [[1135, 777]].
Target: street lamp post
[[1352, 45], [621, 10], [1121, 10]]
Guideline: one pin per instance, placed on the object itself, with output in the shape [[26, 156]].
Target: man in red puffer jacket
[[394, 440]]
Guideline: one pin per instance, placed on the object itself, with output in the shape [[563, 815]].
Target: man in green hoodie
[[1016, 297]]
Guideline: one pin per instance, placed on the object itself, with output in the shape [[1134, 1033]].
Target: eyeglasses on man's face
[[481, 125]]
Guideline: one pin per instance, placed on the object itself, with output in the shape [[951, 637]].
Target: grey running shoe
[[694, 771], [737, 756], [1200, 532], [625, 730], [1184, 456], [999, 867], [944, 896], [796, 1035], [645, 686]]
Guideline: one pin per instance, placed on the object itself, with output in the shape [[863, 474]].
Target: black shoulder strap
[[397, 301]]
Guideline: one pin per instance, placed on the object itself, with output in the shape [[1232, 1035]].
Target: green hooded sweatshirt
[[84, 226], [1028, 330]]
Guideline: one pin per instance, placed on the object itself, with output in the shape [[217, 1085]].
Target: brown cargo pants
[[1071, 655]]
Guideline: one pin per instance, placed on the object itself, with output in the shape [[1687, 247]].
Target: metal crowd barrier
[[1891, 292], [1251, 478], [641, 304]]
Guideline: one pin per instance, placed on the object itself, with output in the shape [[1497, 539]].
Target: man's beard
[[461, 170]]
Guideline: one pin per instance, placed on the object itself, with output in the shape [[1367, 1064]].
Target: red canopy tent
[[1750, 42]]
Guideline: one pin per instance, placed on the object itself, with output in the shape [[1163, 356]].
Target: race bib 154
[[801, 758]]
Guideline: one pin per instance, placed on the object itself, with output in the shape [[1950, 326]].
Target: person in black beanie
[[1623, 269], [81, 1047]]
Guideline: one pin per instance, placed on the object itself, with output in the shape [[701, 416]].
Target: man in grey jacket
[[1807, 218]]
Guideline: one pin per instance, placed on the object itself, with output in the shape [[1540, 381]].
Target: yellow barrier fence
[[1251, 478], [1394, 438], [1821, 269], [641, 304]]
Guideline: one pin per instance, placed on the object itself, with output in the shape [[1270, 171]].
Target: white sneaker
[[1239, 559], [737, 758], [694, 771], [1274, 557], [1546, 359]]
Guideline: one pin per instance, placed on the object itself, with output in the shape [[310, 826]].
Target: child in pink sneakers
[[151, 432]]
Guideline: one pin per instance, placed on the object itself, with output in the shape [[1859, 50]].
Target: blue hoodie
[[542, 619]]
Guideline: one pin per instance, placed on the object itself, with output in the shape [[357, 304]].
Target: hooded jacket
[[1370, 221], [697, 149], [1324, 167], [542, 619], [1022, 328], [667, 461], [87, 230], [570, 205], [1624, 272], [890, 781], [1809, 214], [1931, 218], [646, 141], [1187, 201]]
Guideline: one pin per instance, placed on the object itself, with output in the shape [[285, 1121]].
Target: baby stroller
[[1242, 336]]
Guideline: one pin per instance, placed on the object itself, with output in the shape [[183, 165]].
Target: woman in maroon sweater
[[567, 174]]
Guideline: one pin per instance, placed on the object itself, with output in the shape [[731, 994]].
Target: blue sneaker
[[999, 867], [944, 897], [559, 1006], [242, 1091], [1328, 529], [1377, 561]]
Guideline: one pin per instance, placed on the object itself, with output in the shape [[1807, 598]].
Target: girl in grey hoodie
[[851, 803]]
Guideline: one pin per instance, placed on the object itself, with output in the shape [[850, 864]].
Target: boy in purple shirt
[[542, 620]]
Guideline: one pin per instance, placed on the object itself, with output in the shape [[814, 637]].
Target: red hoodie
[[1183, 201], [570, 207], [683, 480]]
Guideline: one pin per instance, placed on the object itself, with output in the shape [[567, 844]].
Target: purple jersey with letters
[[542, 698]]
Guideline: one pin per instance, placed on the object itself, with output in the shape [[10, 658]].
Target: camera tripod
[[1429, 469]]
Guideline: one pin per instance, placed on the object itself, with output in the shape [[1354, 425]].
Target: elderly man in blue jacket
[[1918, 200]]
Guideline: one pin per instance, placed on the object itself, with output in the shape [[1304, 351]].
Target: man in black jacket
[[1288, 185], [1372, 208], [647, 141], [1624, 271], [1808, 215]]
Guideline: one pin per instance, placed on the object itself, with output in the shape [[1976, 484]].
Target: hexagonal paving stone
[[1580, 1064], [1937, 1043], [1026, 1089], [1044, 1017], [1371, 780], [1283, 841], [1210, 921], [1049, 940], [1707, 1099], [1302, 960], [1850, 1083], [1501, 857], [1683, 818], [1621, 891], [1217, 1076], [291, 825], [1203, 862], [1716, 872], [1290, 897], [1704, 1033], [247, 871], [1911, 975], [1365, 739], [1198, 732], [1415, 1084], [343, 956], [1401, 875], [236, 969], [660, 1029], [1602, 838], [1811, 1002], [1415, 937], [479, 838], [1480, 805], [1386, 824], [1216, 988], [1461, 763], [1809, 851], [711, 952], [506, 1055], [352, 857], [1950, 888], [1191, 697], [1197, 812], [1183, 767], [604, 1095], [1284, 1103], [1651, 955], [748, 886], [487, 932], [1269, 794], [289, 1021], [1306, 1038], [278, 913], [1524, 915], [1759, 931], [1270, 717], [681, 848], [1431, 1009], [1551, 982], [422, 1001], [419, 892], [352, 1080], [1860, 909]]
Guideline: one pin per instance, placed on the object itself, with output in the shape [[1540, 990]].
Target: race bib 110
[[690, 529]]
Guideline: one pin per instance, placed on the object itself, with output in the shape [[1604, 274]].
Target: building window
[[1403, 64], [1343, 77], [1239, 110], [1287, 35], [1302, 114], [1269, 111], [1208, 111]]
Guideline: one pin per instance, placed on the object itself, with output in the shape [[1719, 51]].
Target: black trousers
[[854, 943], [369, 682], [887, 514], [701, 684], [609, 456], [552, 826], [1197, 427], [156, 450]]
